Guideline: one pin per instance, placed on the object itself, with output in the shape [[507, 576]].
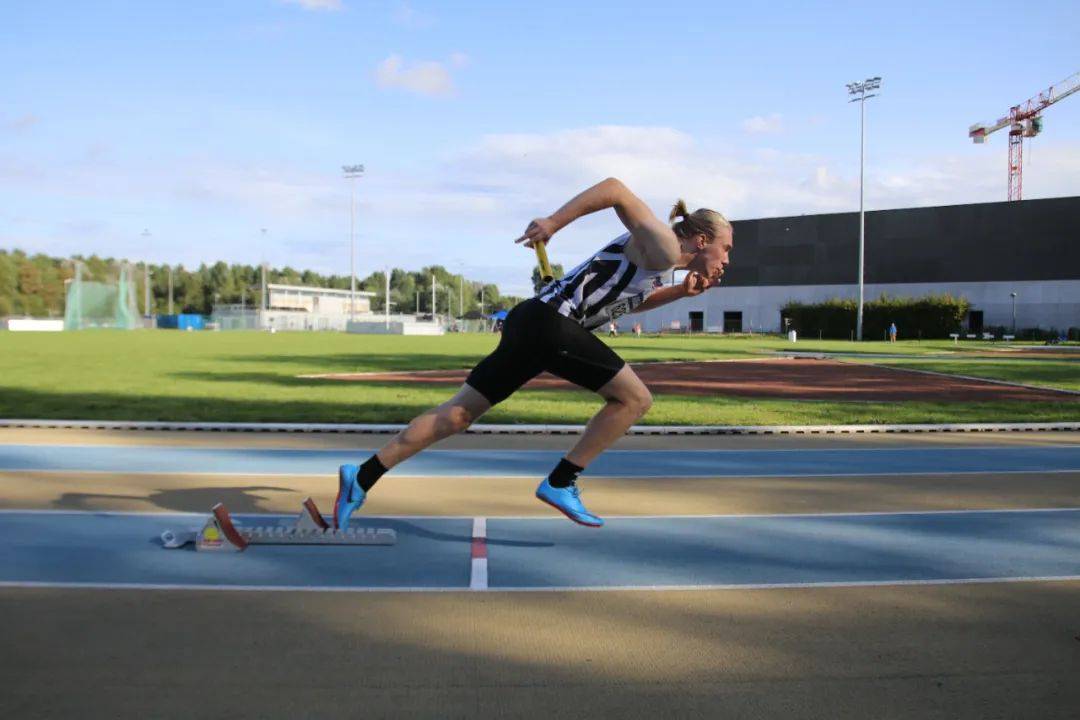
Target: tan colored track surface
[[962, 651], [494, 496]]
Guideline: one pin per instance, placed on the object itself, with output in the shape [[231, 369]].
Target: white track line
[[567, 588], [485, 429], [669, 476], [479, 577], [992, 381]]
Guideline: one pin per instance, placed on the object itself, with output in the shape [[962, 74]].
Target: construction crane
[[1024, 121]]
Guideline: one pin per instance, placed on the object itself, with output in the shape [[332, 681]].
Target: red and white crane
[[1024, 121]]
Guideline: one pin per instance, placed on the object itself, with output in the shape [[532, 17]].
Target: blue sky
[[205, 122]]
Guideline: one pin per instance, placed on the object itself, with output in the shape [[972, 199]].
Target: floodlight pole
[[170, 291], [1013, 295], [433, 283], [264, 296], [859, 89], [352, 172], [146, 278]]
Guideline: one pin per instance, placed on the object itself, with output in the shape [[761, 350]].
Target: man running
[[553, 332]]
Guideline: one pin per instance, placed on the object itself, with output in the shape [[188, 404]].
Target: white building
[[295, 307], [298, 307]]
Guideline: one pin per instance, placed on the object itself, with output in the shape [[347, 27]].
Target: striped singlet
[[602, 288]]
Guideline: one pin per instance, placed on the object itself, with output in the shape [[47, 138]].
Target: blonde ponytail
[[679, 210], [705, 221]]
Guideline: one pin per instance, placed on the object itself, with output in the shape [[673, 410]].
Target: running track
[[66, 548]]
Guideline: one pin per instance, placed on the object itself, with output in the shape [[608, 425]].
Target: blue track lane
[[456, 463], [434, 553]]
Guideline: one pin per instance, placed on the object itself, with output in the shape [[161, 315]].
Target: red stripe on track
[[479, 548]]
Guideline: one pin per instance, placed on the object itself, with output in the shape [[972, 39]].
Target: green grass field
[[252, 376]]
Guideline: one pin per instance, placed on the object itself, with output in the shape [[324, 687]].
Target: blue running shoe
[[350, 496], [567, 500]]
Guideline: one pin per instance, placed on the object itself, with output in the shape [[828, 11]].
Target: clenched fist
[[695, 283], [539, 230]]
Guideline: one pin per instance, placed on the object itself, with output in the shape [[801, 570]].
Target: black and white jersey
[[602, 288]]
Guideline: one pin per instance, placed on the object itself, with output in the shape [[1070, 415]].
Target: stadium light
[[352, 173], [145, 235], [858, 91]]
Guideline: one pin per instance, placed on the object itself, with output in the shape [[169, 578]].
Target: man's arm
[[693, 284], [653, 240], [661, 297]]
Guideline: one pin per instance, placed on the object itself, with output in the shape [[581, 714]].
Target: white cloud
[[427, 77], [323, 5], [760, 124]]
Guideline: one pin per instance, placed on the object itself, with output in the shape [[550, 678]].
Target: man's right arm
[[652, 239]]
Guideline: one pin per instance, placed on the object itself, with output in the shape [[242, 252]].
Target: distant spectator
[[892, 332], [612, 329], [637, 329]]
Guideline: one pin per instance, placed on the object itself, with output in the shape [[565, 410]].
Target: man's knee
[[643, 401], [455, 418], [637, 401]]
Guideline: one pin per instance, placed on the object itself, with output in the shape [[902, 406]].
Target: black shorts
[[536, 338]]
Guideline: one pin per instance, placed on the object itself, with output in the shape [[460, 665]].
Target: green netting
[[100, 304]]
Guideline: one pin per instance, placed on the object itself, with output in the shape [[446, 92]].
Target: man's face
[[711, 260]]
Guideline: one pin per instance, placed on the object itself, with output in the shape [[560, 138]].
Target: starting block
[[220, 534]]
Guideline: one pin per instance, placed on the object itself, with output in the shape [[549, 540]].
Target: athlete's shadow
[[240, 499], [245, 501]]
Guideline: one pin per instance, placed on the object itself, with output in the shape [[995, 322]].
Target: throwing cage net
[[107, 304]]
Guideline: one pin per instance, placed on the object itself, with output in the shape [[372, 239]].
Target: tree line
[[34, 285]]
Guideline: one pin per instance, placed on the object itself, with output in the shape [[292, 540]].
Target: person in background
[[892, 332]]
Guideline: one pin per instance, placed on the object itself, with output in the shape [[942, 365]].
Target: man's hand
[[539, 230], [695, 283]]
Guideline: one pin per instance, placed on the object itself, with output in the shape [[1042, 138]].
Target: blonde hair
[[702, 220]]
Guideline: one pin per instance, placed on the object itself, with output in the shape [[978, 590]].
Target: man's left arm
[[693, 284]]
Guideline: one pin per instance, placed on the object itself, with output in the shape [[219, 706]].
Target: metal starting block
[[219, 534]]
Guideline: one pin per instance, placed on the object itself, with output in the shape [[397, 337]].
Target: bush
[[933, 316]]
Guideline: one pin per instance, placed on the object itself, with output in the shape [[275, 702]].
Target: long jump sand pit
[[796, 379]]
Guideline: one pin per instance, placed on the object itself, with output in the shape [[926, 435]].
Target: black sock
[[370, 472], [564, 474]]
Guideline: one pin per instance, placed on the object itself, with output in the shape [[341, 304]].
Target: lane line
[[993, 381], [479, 577], [687, 476], [569, 588], [485, 429], [233, 449]]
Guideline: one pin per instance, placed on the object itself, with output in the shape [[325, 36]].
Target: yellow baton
[[541, 257]]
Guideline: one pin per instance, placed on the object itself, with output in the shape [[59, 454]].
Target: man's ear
[[701, 241]]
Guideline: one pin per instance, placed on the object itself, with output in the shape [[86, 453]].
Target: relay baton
[[541, 257]]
